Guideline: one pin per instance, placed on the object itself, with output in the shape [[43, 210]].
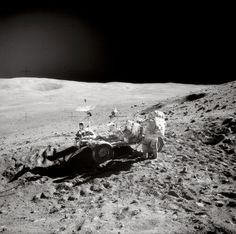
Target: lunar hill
[[47, 93]]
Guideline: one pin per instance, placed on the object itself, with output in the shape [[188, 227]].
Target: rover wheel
[[102, 153]]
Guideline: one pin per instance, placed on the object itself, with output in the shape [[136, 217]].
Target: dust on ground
[[189, 189]]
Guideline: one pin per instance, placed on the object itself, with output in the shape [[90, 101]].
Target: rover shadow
[[113, 167], [73, 162]]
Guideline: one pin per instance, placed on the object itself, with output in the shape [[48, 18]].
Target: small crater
[[194, 96]]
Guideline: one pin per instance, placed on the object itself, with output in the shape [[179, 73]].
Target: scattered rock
[[219, 203], [125, 209], [61, 229], [163, 170], [201, 108], [107, 185], [53, 210], [63, 186], [35, 198], [227, 121], [200, 213], [3, 228], [215, 139], [229, 194], [173, 193], [9, 173], [183, 171], [135, 212], [200, 204], [2, 211], [227, 173], [134, 202], [71, 198], [234, 220], [84, 192], [43, 196], [233, 129], [230, 151], [224, 180], [43, 179], [227, 141], [80, 224], [231, 204], [184, 158], [186, 196], [168, 177], [197, 150], [96, 188]]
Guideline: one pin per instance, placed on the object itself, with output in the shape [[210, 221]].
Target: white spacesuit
[[153, 134]]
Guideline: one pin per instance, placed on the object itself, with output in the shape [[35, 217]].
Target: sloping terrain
[[190, 188], [43, 94]]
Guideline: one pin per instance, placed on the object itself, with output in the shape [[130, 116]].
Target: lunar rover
[[86, 153], [105, 149]]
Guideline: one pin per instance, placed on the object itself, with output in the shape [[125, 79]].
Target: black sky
[[135, 43]]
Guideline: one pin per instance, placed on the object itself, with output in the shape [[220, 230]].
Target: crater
[[48, 86], [194, 96]]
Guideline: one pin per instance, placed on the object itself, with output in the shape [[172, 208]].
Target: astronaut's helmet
[[159, 114]]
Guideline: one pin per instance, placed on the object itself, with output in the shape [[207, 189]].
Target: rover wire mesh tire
[[102, 153]]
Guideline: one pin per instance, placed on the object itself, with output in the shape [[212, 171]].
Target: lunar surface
[[190, 188]]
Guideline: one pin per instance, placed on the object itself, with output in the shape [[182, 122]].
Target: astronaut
[[153, 134]]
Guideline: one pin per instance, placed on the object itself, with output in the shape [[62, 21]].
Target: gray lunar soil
[[190, 188]]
